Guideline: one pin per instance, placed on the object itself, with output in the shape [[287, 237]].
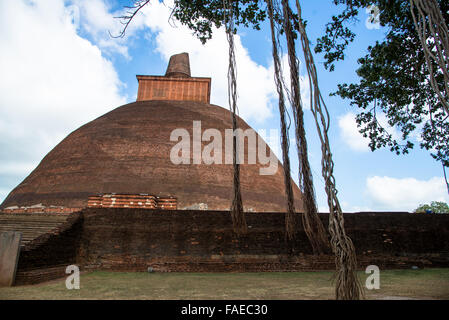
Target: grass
[[394, 284]]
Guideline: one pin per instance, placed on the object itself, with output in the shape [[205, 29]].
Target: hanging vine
[[434, 37], [237, 212], [311, 221], [348, 286], [347, 283], [289, 216]]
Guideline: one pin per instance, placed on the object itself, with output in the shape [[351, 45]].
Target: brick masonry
[[175, 89], [46, 257], [126, 151], [143, 201], [122, 239], [39, 210], [204, 241]]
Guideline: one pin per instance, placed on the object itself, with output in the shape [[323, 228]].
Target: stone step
[[28, 226], [31, 226], [30, 218], [30, 223]]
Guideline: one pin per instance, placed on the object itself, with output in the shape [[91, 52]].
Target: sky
[[60, 68]]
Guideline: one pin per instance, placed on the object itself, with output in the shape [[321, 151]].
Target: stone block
[[9, 256]]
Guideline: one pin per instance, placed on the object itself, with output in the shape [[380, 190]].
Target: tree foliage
[[394, 80], [201, 15], [393, 75], [434, 207]]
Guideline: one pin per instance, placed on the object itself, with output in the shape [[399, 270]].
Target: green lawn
[[394, 284]]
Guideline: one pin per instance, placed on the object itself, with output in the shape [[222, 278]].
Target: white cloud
[[350, 133], [3, 193], [256, 88], [304, 83], [96, 19], [16, 168], [354, 139], [387, 193], [255, 82], [52, 82], [348, 207]]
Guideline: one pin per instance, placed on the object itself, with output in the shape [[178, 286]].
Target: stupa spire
[[179, 66], [177, 84]]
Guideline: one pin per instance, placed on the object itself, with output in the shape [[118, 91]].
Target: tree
[[434, 207], [200, 16], [394, 79]]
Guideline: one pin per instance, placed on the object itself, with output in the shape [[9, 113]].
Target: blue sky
[[74, 72]]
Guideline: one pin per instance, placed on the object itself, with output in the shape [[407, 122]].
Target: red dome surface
[[128, 151]]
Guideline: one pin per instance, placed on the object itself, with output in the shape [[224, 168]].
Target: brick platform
[[175, 89], [123, 239], [39, 210], [135, 201], [204, 241]]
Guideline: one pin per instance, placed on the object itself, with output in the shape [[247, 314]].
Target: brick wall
[[165, 88], [143, 201], [40, 209], [46, 257], [204, 241]]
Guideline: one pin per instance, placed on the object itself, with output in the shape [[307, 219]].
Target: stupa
[[127, 151], [99, 200]]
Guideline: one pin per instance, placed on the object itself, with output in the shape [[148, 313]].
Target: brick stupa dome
[[127, 151]]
